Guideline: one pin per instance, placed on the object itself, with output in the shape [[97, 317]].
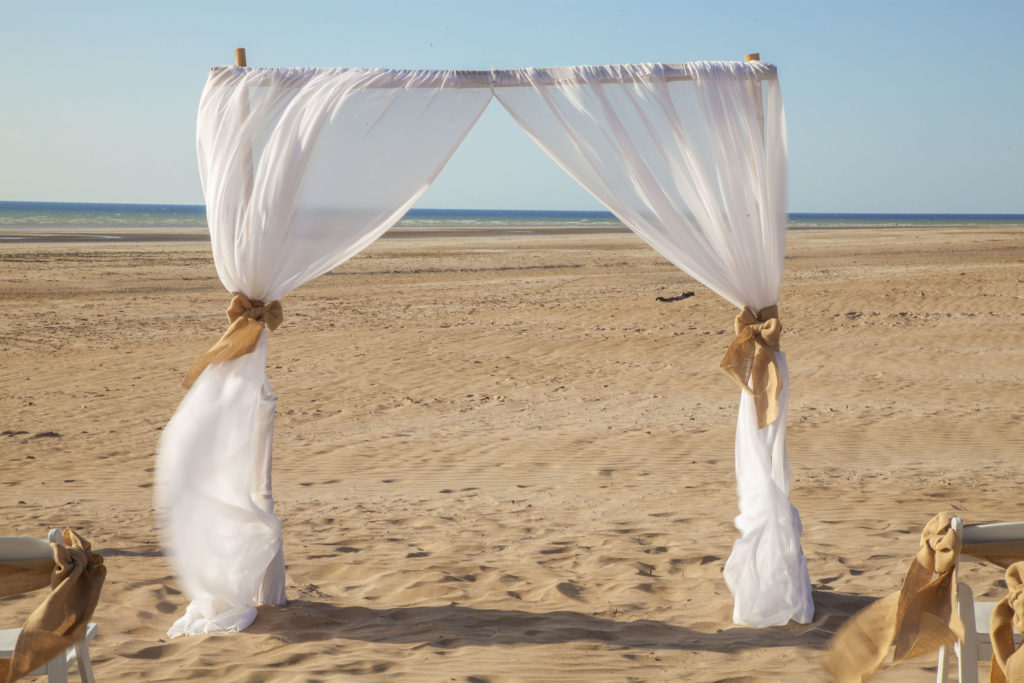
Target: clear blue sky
[[892, 106]]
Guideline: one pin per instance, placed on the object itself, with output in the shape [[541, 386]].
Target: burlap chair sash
[[246, 320], [921, 617], [23, 576], [1007, 660], [1000, 553], [76, 576]]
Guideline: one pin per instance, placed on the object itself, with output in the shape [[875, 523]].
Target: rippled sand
[[500, 458]]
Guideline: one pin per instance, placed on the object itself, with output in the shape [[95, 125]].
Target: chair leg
[[968, 661], [943, 674], [57, 669], [967, 649], [84, 663]]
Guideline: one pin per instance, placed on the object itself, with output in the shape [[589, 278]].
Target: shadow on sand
[[454, 626]]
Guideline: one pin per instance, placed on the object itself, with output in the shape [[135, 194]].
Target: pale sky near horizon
[[911, 106]]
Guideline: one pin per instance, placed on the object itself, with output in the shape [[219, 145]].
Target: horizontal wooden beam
[[494, 78]]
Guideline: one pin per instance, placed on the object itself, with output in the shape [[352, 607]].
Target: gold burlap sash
[[751, 356], [76, 575], [1007, 661], [23, 576], [921, 616], [247, 319]]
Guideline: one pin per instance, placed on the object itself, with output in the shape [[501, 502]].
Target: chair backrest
[[18, 549], [991, 533]]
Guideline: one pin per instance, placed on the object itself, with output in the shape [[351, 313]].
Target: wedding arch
[[303, 168]]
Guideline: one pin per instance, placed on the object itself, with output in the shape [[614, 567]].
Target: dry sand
[[499, 458]]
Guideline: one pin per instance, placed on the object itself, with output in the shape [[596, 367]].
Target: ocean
[[64, 215]]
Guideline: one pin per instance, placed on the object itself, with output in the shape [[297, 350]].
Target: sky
[[909, 106]]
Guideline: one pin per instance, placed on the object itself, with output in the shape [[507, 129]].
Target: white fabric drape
[[693, 159], [301, 169]]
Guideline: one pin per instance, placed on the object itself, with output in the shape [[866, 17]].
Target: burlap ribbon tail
[[246, 318], [76, 576], [750, 360], [1007, 660]]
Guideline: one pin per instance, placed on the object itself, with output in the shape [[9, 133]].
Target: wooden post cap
[[752, 57], [240, 56]]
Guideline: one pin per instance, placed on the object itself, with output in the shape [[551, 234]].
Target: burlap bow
[[750, 360], [1007, 662], [920, 617], [76, 577], [247, 319]]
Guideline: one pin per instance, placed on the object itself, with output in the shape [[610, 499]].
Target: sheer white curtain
[[693, 158], [301, 169]]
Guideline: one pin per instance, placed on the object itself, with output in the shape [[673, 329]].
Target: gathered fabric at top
[[247, 318]]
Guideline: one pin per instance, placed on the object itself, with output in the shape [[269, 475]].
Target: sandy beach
[[500, 458]]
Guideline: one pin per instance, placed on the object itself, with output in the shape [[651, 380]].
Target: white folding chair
[[56, 670], [976, 645]]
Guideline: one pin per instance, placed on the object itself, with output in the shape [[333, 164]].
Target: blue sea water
[[894, 220], [67, 214]]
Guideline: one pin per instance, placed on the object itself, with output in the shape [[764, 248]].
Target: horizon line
[[595, 211]]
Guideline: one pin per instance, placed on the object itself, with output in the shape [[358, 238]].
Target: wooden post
[[755, 90], [272, 586], [243, 113], [752, 57]]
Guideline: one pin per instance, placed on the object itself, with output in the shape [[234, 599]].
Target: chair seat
[[9, 636]]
